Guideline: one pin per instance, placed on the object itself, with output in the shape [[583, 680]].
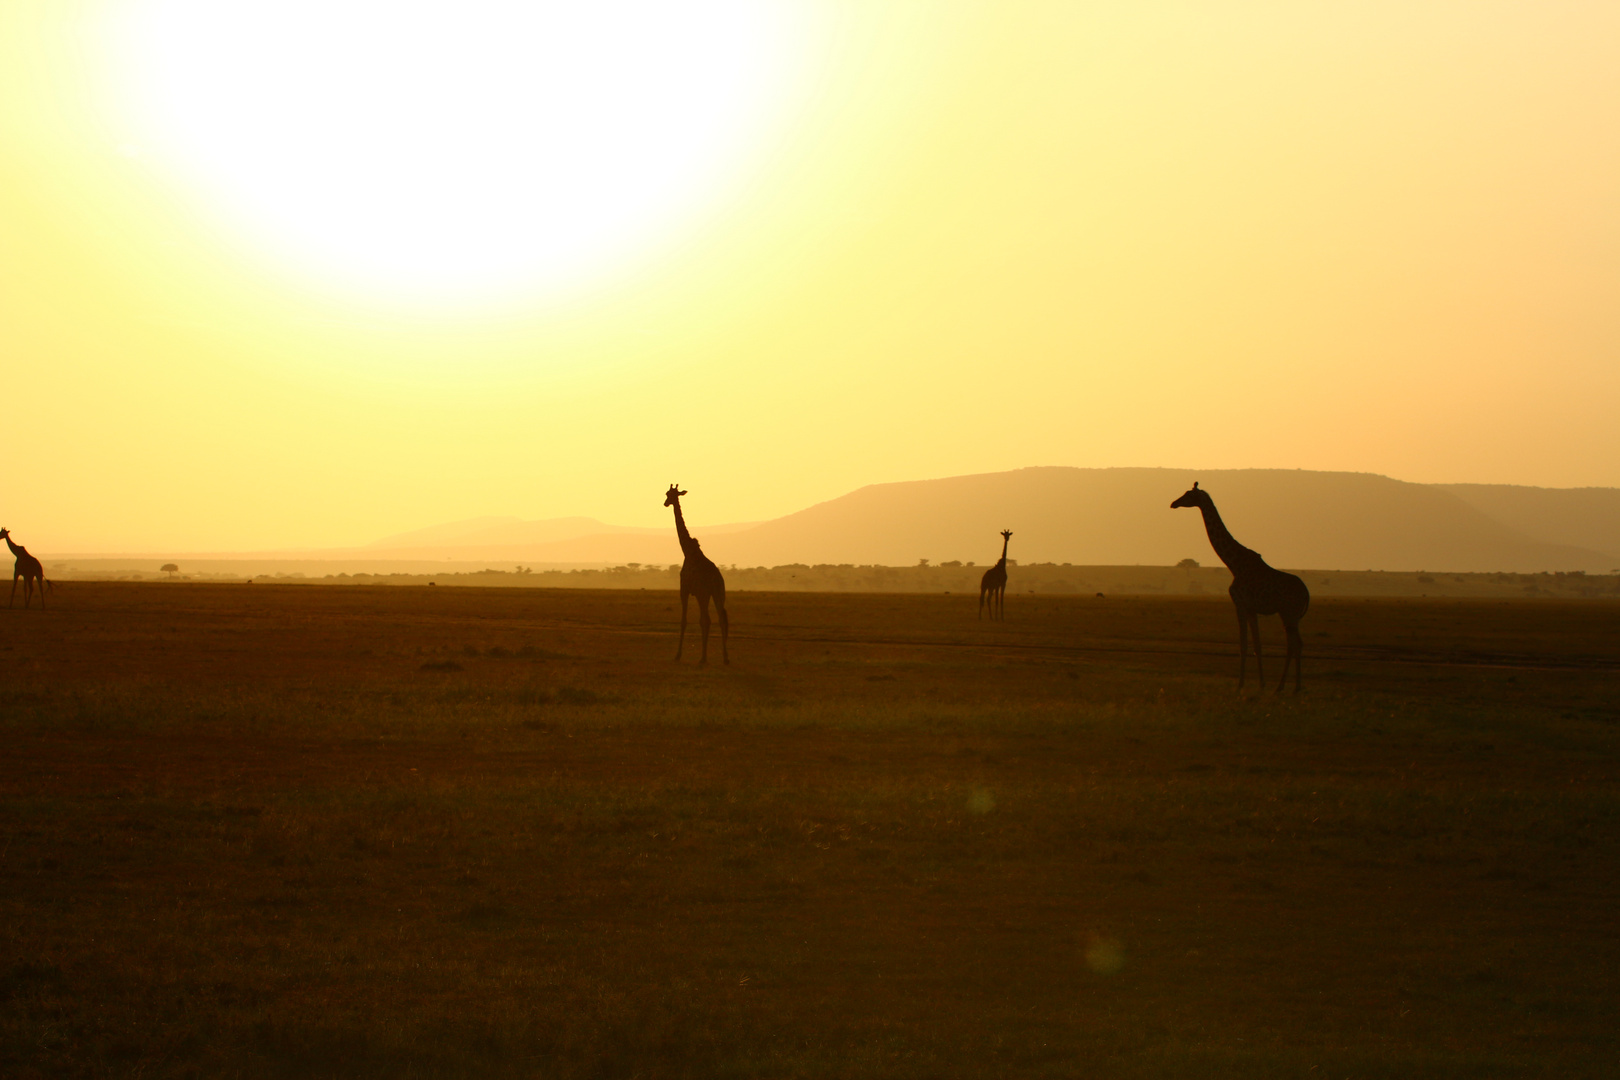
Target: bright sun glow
[[455, 152]]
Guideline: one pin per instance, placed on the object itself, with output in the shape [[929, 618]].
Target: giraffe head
[[673, 494], [1006, 534], [1194, 497]]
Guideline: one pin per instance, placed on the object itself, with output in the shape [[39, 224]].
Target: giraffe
[[28, 569], [994, 583], [1257, 589], [700, 578]]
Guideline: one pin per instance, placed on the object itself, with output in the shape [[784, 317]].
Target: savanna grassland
[[262, 831]]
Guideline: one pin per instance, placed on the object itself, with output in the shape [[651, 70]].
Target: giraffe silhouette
[[700, 578], [28, 569], [994, 583], [1257, 589]]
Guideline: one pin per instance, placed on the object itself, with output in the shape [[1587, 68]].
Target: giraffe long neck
[[1004, 541], [1230, 552], [15, 550], [680, 527]]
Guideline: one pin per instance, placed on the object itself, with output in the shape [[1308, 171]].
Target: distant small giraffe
[[1257, 589], [700, 578], [28, 569], [994, 583]]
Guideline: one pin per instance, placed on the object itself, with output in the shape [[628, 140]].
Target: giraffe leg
[[1243, 649], [1259, 664], [13, 599], [725, 629], [682, 643], [1296, 653], [703, 624], [981, 602]]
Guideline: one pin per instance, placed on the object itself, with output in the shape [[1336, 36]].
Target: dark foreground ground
[[280, 831]]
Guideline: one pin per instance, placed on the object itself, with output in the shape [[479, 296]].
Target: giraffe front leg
[[681, 645], [1259, 662], [1243, 649]]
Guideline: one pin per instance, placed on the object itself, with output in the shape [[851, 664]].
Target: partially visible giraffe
[[28, 569], [700, 578], [994, 583], [1257, 589]]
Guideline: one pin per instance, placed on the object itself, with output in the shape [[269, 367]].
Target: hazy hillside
[[1586, 517], [1087, 517], [489, 531], [552, 540], [1349, 521]]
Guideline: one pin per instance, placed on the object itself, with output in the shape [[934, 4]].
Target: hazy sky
[[273, 277]]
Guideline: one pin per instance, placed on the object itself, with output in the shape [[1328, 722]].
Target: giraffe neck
[[15, 550], [1230, 552], [1004, 541], [680, 527]]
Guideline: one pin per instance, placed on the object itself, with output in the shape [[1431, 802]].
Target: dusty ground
[[281, 831]]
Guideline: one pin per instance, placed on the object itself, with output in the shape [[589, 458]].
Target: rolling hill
[[1087, 517], [1298, 518]]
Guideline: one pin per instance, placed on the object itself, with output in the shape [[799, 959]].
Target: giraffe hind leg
[[703, 625], [725, 630], [1259, 663], [1296, 654]]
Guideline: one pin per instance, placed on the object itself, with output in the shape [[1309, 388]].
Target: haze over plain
[[1363, 238]]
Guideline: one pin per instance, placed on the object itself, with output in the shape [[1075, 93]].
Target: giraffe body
[[702, 579], [28, 570], [1257, 589], [993, 585]]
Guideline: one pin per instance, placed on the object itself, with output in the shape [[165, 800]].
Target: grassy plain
[[267, 831]]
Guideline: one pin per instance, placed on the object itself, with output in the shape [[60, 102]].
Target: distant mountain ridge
[[1087, 517], [1295, 518]]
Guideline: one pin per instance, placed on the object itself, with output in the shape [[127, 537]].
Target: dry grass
[[256, 831]]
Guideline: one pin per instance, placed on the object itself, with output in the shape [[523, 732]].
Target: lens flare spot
[[1104, 955]]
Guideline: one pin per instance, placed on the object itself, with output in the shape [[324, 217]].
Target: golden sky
[[934, 239]]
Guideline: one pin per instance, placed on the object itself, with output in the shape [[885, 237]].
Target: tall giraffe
[[700, 578], [994, 583], [28, 569], [1257, 589]]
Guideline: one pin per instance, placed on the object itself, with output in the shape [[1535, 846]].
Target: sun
[[454, 152]]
